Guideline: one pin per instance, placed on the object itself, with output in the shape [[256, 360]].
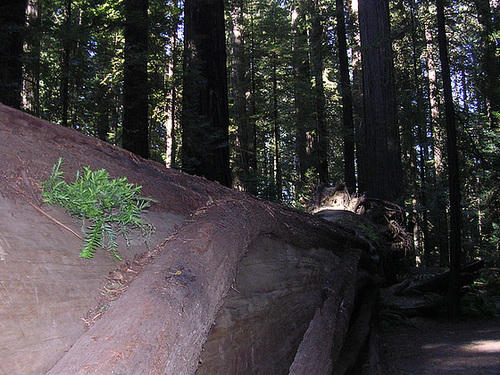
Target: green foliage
[[113, 206], [478, 305]]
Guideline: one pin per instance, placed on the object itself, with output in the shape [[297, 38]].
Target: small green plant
[[113, 206]]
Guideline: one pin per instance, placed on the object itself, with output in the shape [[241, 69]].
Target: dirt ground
[[434, 347]]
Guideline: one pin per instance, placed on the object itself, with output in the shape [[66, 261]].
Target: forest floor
[[435, 347]]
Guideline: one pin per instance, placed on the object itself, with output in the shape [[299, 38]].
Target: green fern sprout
[[113, 206]]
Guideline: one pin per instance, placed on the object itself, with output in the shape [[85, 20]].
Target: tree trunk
[[31, 83], [380, 170], [205, 113], [135, 79], [317, 56], [65, 64], [302, 100], [439, 205], [453, 171], [347, 106], [171, 144], [357, 77], [241, 92], [12, 23], [490, 79], [423, 144], [276, 133]]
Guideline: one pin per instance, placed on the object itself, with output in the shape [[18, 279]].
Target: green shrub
[[113, 207]]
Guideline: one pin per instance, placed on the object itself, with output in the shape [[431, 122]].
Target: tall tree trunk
[[171, 145], [347, 106], [490, 80], [276, 132], [241, 89], [380, 170], [65, 65], [421, 133], [357, 76], [439, 206], [31, 83], [302, 101], [253, 162], [453, 172], [12, 23], [317, 55], [135, 79], [205, 112]]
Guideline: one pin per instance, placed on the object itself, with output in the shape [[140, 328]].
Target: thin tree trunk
[[347, 105], [135, 79], [241, 88], [357, 76], [171, 145], [302, 100], [276, 133], [253, 103], [421, 135], [439, 220], [65, 66], [317, 56], [31, 83], [453, 172]]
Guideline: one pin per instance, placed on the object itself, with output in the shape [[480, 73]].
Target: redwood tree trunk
[[135, 78], [439, 205], [205, 113], [347, 107], [241, 87], [317, 56], [453, 173], [171, 144], [380, 171]]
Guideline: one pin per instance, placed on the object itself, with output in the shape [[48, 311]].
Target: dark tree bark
[[439, 220], [276, 133], [421, 125], [453, 172], [12, 23], [240, 90], [380, 170], [347, 106], [135, 78], [171, 144], [65, 64], [31, 82], [317, 56], [205, 113]]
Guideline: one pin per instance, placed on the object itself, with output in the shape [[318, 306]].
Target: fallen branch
[[54, 220]]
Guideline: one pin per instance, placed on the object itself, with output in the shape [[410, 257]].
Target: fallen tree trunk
[[171, 306], [242, 286], [440, 283]]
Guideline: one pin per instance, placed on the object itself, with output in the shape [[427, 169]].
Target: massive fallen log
[[236, 285], [440, 283], [256, 272]]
